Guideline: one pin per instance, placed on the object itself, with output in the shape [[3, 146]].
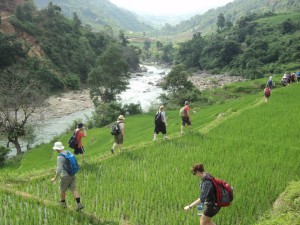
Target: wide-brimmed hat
[[58, 146], [121, 117], [161, 107]]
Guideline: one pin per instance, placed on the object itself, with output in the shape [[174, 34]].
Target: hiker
[[284, 80], [298, 75], [207, 196], [66, 181], [80, 133], [293, 77], [119, 138], [185, 116], [270, 82], [267, 93], [160, 123]]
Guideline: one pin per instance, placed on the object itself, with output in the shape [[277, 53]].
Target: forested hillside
[[206, 23], [99, 14], [57, 50], [257, 46]]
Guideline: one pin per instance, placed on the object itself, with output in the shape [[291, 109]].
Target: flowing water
[[142, 89]]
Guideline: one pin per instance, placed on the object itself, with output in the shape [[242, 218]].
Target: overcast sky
[[170, 7]]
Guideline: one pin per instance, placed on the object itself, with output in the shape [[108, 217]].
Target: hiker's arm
[[206, 186], [197, 202], [59, 168], [84, 132]]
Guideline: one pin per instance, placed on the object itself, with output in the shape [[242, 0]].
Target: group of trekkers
[[210, 188], [287, 79], [64, 159]]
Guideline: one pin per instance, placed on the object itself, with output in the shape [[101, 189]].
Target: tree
[[10, 50], [147, 44], [176, 80], [159, 45], [110, 75], [167, 52], [20, 95], [123, 39], [221, 21], [77, 21]]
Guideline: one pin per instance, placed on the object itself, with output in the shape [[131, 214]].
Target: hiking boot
[[112, 151], [63, 204], [79, 207]]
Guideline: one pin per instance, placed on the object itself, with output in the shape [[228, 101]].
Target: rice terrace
[[250, 143]]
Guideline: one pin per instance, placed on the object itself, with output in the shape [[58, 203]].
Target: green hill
[[251, 144], [99, 14], [233, 11]]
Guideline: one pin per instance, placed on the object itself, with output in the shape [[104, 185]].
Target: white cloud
[[170, 7]]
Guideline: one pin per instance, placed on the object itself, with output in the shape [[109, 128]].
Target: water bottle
[[200, 207]]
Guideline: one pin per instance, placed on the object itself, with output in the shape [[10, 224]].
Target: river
[[142, 89]]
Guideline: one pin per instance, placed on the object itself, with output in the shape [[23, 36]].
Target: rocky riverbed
[[73, 101]]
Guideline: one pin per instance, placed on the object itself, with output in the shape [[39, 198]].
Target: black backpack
[[115, 129], [73, 141], [158, 119]]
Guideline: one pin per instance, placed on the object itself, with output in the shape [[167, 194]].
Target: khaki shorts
[[67, 182], [118, 139]]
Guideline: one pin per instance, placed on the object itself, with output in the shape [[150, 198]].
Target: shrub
[[72, 81], [3, 154], [106, 113], [132, 108]]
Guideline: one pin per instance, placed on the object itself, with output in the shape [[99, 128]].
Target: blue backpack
[[270, 83], [71, 165]]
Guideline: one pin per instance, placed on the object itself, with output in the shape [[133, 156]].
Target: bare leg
[[76, 194], [205, 220], [63, 195], [154, 136]]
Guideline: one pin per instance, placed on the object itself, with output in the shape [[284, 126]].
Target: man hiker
[[80, 132], [160, 123], [185, 116], [270, 82], [67, 181], [119, 138]]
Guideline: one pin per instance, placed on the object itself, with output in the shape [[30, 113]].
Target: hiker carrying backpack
[[223, 191], [214, 193], [115, 129], [267, 92], [71, 165], [158, 119], [73, 143]]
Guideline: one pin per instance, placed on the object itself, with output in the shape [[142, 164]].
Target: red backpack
[[267, 92], [224, 192]]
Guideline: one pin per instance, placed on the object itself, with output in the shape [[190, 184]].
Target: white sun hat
[[58, 146]]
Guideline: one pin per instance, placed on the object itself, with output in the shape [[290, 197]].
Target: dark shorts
[[78, 151], [185, 120], [118, 139], [67, 182], [160, 128], [210, 210]]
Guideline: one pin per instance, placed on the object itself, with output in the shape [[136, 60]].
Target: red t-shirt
[[186, 110], [79, 136]]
